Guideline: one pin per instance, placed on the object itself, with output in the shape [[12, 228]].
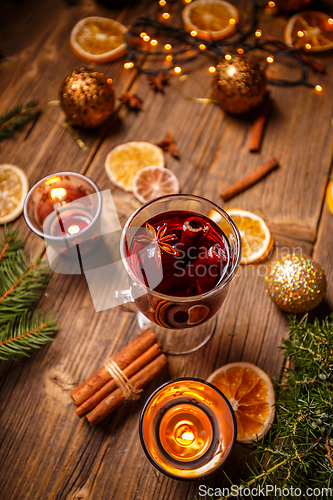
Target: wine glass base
[[188, 340]]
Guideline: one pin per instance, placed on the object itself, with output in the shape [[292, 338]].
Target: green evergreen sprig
[[21, 283], [24, 333], [17, 117], [298, 450]]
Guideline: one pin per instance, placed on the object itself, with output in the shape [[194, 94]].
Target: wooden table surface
[[47, 452]]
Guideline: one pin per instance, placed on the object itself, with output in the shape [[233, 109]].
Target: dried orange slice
[[329, 196], [251, 395], [13, 190], [210, 19], [310, 30], [98, 39], [153, 182], [124, 162], [257, 241]]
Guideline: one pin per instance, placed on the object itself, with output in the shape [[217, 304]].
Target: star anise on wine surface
[[159, 240]]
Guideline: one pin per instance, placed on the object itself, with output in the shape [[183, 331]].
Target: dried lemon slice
[[13, 190], [251, 395], [153, 182], [329, 196], [310, 30], [98, 39], [257, 241], [210, 19], [124, 162]]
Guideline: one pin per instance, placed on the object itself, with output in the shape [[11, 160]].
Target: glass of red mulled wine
[[180, 264]]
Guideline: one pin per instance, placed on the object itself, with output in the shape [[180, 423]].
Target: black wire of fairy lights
[[219, 47]]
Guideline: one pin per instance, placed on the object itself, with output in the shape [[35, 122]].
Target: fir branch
[[21, 284], [17, 117], [298, 450], [9, 244], [25, 333]]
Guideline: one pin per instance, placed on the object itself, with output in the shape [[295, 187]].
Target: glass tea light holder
[[187, 429], [64, 209]]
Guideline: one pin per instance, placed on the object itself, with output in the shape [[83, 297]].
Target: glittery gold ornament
[[296, 284], [87, 97], [239, 84]]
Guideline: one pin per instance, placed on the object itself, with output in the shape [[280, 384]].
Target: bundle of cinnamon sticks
[[140, 361]]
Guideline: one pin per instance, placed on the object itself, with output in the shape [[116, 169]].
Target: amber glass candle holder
[[63, 208], [187, 429]]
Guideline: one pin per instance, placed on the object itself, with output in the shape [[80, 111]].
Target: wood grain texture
[[46, 451]]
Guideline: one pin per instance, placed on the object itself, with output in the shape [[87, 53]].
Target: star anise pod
[[132, 101], [159, 240], [168, 144], [158, 82]]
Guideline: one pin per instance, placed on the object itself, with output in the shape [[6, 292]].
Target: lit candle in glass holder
[[64, 209], [187, 429]]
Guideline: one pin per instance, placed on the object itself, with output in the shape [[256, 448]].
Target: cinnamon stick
[[250, 179], [259, 123], [110, 386], [139, 380], [308, 61], [123, 358]]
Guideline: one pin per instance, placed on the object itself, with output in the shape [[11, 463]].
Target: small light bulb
[[227, 57], [240, 50], [258, 33], [143, 34], [212, 69], [271, 4], [162, 3], [188, 1], [308, 46], [318, 88], [330, 21], [165, 15], [128, 65], [169, 58], [177, 69], [202, 46], [232, 21], [153, 42], [109, 80], [270, 59], [167, 46], [300, 33], [193, 33], [146, 38]]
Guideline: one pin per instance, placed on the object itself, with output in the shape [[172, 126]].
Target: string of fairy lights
[[180, 46]]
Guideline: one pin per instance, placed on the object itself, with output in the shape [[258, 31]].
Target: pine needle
[[24, 333], [17, 117]]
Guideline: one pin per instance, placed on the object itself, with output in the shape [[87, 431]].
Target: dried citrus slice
[[251, 395], [153, 182], [210, 19], [310, 30], [13, 190], [98, 39], [124, 162], [329, 196], [257, 241]]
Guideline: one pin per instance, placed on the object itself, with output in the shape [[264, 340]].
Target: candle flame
[[58, 192], [73, 229], [188, 436]]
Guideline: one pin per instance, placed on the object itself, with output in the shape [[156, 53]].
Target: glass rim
[[142, 415], [69, 236], [191, 298]]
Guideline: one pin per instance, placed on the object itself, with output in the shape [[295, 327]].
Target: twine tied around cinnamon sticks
[[127, 388]]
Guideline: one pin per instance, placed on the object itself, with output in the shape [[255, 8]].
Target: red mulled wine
[[190, 249]]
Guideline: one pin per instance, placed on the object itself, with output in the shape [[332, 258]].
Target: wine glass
[[180, 264]]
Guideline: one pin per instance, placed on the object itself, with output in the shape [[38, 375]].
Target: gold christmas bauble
[[239, 84], [292, 5], [296, 284], [87, 97]]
